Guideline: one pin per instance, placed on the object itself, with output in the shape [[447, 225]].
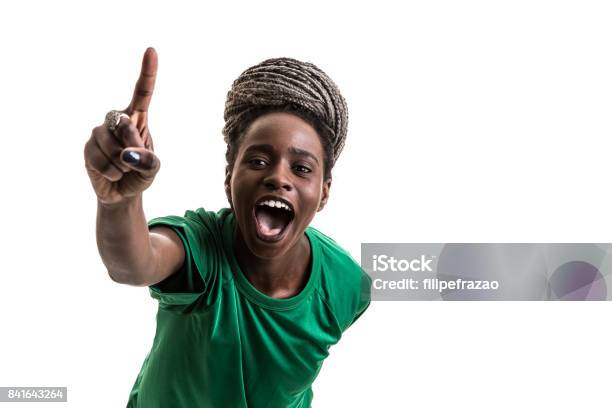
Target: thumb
[[140, 159]]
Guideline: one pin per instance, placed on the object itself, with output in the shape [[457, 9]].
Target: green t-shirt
[[221, 343]]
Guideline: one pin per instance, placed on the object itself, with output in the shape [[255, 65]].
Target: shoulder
[[345, 286], [199, 217], [340, 265], [196, 223], [201, 233]]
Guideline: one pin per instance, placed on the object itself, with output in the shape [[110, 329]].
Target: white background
[[473, 121]]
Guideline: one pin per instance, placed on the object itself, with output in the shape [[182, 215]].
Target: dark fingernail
[[131, 157]]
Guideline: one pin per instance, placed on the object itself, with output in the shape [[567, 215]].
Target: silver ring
[[113, 118]]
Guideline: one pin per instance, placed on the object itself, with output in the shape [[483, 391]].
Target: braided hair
[[286, 85]]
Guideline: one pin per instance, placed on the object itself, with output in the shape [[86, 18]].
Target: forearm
[[123, 240]]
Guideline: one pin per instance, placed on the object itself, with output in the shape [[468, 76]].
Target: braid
[[286, 84]]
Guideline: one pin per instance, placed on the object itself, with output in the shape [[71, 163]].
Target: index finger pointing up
[[145, 84]]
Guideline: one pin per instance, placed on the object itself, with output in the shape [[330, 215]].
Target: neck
[[281, 277]]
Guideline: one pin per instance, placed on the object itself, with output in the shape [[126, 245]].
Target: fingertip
[[131, 157], [113, 177], [150, 55], [141, 160], [149, 61]]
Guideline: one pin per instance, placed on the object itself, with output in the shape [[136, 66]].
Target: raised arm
[[121, 165]]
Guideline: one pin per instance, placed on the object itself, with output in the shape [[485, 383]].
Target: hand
[[123, 165]]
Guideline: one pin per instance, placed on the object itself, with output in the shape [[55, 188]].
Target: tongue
[[271, 222]]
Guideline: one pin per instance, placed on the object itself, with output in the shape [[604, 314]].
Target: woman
[[250, 297]]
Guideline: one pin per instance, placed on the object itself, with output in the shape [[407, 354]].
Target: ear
[[228, 188], [325, 193]]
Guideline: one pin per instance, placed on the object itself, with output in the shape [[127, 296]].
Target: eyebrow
[[268, 148]]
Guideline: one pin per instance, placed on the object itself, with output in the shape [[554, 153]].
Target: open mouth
[[272, 218]]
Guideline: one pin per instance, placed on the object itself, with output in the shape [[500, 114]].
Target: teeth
[[275, 204]]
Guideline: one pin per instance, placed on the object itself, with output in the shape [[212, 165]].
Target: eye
[[302, 169], [257, 162]]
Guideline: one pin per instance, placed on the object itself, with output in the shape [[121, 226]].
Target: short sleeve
[[345, 286], [365, 296], [190, 282]]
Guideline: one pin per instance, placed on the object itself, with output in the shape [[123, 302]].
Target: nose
[[278, 178]]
